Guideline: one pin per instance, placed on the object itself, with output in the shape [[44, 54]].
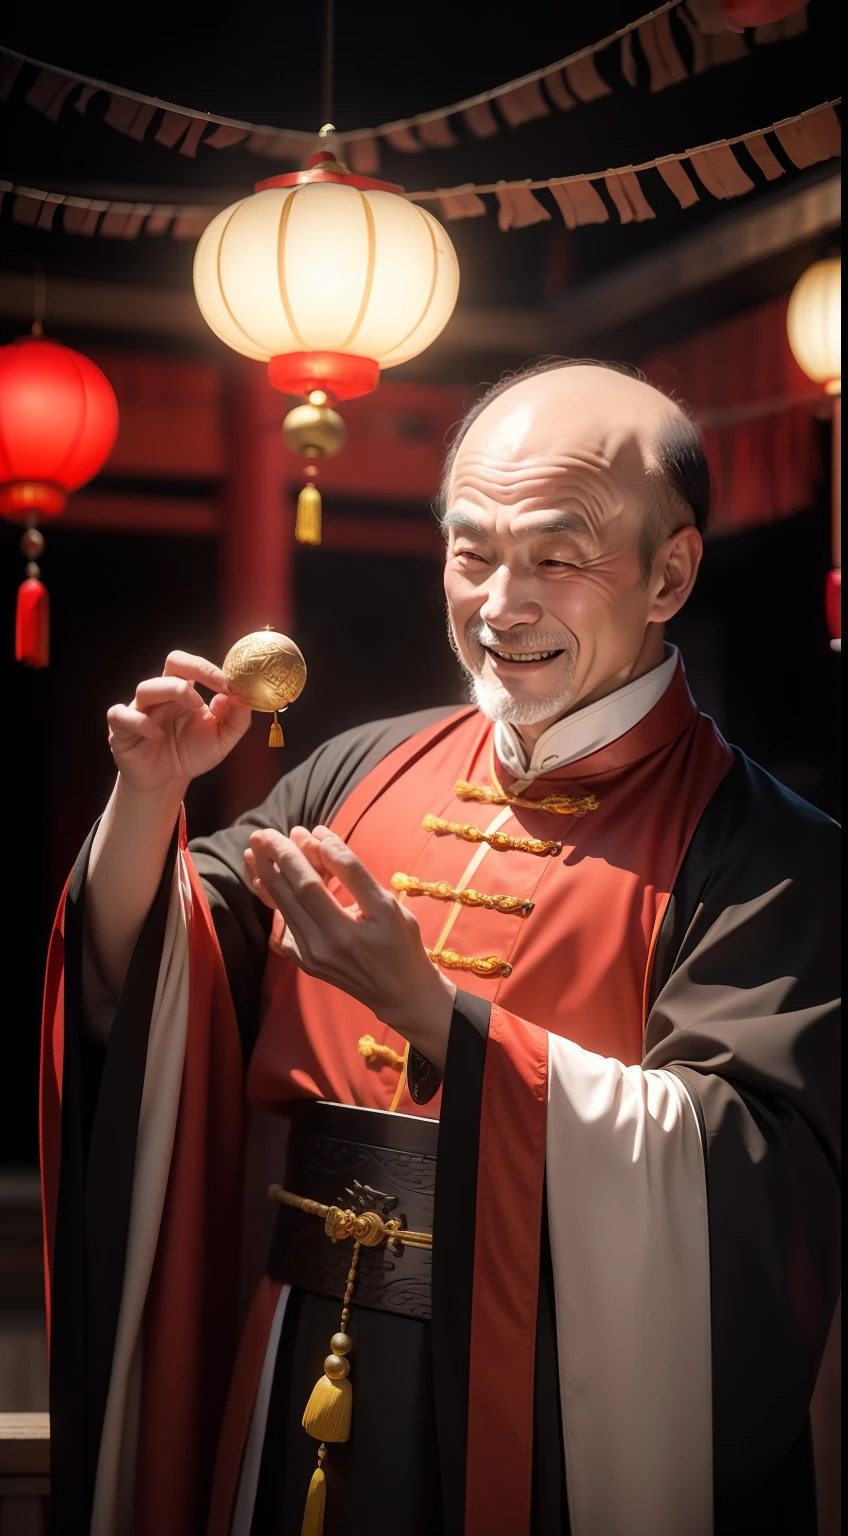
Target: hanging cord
[[39, 299], [328, 47]]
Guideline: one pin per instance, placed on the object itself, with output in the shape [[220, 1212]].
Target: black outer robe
[[743, 1005]]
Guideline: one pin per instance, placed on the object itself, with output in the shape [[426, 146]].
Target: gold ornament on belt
[[558, 805], [328, 1414], [267, 671]]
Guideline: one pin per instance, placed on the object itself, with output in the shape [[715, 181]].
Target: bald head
[[572, 506], [585, 416]]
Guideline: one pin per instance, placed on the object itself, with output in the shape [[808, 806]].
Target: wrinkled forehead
[[577, 420]]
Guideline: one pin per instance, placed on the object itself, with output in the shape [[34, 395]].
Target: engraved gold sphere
[[315, 431], [265, 670]]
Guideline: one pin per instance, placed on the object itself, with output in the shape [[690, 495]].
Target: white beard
[[494, 700]]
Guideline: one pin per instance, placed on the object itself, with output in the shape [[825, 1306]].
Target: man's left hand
[[371, 950]]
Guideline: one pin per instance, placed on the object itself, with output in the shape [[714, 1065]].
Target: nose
[[508, 600]]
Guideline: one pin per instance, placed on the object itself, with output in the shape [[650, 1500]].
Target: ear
[[673, 573]]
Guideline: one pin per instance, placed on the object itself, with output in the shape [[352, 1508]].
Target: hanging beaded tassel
[[327, 1415], [32, 615], [275, 735], [307, 527]]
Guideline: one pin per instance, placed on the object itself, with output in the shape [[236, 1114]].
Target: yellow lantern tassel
[[307, 528], [275, 735], [316, 1498]]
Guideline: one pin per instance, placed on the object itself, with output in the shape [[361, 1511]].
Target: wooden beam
[[24, 1444], [744, 237], [381, 536], [190, 517], [111, 512]]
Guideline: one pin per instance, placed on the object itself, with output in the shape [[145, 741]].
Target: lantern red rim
[[323, 167], [37, 500], [340, 374]]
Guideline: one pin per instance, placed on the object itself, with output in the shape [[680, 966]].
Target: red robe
[[578, 965]]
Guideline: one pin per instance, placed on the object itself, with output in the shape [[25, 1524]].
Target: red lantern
[[739, 14], [58, 424]]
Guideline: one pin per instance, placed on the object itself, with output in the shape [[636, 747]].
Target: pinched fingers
[[196, 669], [167, 690], [125, 722]]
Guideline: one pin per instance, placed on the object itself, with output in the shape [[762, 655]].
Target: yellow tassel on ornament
[[328, 1413], [316, 1498], [275, 735], [307, 528]]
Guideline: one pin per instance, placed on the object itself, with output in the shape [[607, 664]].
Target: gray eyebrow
[[458, 522], [569, 522]]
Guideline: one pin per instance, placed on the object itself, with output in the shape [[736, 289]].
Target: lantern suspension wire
[[39, 302], [328, 45]]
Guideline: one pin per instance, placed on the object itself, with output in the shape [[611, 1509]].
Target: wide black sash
[[359, 1159]]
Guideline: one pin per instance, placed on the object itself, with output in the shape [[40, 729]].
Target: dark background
[[372, 627]]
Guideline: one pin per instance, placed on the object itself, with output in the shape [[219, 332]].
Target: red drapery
[[757, 411]]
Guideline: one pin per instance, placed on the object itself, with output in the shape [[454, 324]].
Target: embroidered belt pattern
[[558, 805], [441, 890], [500, 841]]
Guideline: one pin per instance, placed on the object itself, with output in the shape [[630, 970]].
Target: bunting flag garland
[[804, 140], [647, 49]]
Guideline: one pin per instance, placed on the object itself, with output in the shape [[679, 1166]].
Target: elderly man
[[567, 934]]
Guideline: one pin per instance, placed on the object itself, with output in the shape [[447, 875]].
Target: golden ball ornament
[[267, 671], [341, 1344], [315, 431]]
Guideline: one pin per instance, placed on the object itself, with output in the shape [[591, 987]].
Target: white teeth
[[524, 656]]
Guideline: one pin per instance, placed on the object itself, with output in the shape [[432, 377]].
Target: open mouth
[[520, 658]]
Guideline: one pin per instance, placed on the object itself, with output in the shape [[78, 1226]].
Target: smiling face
[[549, 603]]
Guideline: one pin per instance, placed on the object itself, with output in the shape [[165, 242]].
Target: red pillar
[[256, 569]]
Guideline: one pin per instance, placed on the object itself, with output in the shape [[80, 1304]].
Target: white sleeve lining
[[629, 1238]]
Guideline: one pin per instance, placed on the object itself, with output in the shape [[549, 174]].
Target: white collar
[[587, 730]]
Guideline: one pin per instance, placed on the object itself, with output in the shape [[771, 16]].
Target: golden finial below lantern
[[267, 671]]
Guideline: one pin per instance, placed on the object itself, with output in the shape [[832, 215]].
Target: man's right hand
[[168, 735]]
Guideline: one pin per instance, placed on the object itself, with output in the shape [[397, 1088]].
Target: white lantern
[[329, 266], [814, 327], [814, 323], [327, 277]]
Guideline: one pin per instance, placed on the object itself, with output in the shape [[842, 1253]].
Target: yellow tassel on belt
[[316, 1498], [328, 1414]]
